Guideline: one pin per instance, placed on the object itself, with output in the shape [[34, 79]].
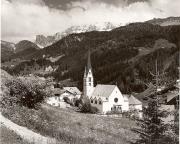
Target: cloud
[[24, 19]]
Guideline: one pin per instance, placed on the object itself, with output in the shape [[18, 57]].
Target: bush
[[24, 91], [76, 102], [86, 106], [94, 110], [67, 100]]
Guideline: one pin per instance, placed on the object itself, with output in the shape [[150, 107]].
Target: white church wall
[[116, 94], [106, 107]]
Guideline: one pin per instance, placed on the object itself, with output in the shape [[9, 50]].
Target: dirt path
[[25, 133]]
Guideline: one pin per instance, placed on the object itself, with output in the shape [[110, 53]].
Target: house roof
[[73, 90], [134, 101], [58, 91], [171, 97], [103, 91]]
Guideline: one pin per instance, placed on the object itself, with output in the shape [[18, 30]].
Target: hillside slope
[[7, 50], [124, 55], [165, 21]]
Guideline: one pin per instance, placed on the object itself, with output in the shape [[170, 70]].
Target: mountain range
[[43, 41], [20, 50], [124, 56]]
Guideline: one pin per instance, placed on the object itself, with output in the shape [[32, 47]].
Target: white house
[[58, 94], [56, 98], [134, 103], [105, 97], [72, 91]]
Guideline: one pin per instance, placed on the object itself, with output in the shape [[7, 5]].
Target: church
[[105, 97]]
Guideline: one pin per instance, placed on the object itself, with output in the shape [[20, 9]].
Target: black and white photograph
[[89, 71]]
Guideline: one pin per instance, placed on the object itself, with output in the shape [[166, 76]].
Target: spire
[[89, 61], [85, 72]]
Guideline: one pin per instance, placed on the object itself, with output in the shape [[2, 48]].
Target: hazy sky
[[24, 19]]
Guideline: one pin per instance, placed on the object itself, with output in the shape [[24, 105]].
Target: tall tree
[[152, 127]]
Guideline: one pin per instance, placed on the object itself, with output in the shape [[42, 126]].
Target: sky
[[24, 19]]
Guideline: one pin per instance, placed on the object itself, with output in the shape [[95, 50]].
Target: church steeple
[[89, 60], [88, 82]]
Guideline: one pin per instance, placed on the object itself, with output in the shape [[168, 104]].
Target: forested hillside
[[124, 56]]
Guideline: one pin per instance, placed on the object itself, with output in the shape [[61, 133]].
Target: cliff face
[[44, 41]]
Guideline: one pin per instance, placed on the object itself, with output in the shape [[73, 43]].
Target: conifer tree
[[152, 127]]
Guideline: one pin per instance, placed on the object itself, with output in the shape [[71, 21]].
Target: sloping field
[[101, 129]]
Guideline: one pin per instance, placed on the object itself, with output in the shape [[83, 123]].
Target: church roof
[[134, 101], [103, 91]]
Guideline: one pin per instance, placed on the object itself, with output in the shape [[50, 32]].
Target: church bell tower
[[88, 80]]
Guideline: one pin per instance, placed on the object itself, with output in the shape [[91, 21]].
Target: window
[[89, 79], [115, 100], [89, 84], [95, 101], [100, 102], [91, 101]]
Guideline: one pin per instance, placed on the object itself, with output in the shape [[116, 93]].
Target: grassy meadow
[[23, 103], [68, 126]]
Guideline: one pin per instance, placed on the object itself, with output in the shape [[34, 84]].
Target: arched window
[[91, 101], [100, 102], [95, 101]]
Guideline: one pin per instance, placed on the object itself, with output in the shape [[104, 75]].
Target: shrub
[[76, 102], [67, 100], [94, 110], [86, 106], [24, 91]]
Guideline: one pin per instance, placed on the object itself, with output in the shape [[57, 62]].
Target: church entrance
[[117, 108]]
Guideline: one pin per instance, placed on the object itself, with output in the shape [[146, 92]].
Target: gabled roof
[[171, 97], [103, 91], [73, 90], [134, 101]]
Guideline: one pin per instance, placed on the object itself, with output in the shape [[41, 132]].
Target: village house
[[58, 95], [134, 103]]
